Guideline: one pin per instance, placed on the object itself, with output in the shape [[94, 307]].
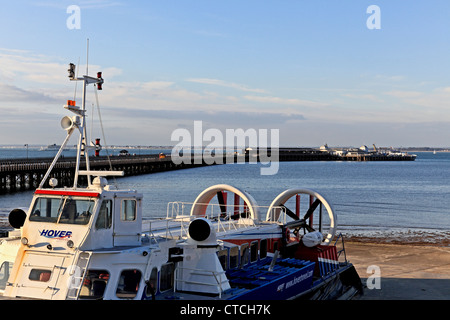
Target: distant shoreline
[[398, 236], [143, 147], [440, 151]]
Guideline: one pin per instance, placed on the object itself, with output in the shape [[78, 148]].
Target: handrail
[[176, 222], [173, 210], [165, 226], [340, 236]]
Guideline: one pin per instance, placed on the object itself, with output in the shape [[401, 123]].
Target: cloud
[[231, 119], [157, 85], [150, 95], [9, 93], [169, 100], [404, 94], [42, 79], [393, 78], [286, 101], [433, 102], [366, 97], [222, 83], [21, 65], [154, 108]]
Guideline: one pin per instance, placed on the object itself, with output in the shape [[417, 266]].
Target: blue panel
[[289, 278]]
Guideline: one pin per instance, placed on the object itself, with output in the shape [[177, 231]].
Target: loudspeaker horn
[[68, 123]]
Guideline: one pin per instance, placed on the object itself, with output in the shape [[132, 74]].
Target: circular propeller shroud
[[203, 199], [274, 211]]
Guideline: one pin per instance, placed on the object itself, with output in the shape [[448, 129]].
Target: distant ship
[[52, 147]]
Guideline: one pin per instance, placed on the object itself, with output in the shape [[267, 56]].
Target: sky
[[316, 71]]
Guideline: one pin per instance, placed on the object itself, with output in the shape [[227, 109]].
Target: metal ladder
[[77, 278], [341, 237]]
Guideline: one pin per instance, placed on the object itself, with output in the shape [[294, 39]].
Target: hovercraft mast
[[78, 121]]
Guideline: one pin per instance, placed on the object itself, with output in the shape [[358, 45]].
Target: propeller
[[289, 212], [301, 223], [311, 209], [297, 223], [223, 208]]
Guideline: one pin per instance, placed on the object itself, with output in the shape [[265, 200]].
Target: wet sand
[[412, 271]]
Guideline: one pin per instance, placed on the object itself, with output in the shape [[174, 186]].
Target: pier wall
[[23, 174], [26, 174]]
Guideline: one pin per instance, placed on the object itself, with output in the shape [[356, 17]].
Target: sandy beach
[[412, 271]]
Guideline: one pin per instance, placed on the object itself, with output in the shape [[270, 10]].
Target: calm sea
[[371, 196]]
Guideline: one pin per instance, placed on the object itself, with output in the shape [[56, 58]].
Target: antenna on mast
[[76, 83], [87, 57]]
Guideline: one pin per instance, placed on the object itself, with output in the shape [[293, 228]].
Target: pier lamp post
[[26, 145]]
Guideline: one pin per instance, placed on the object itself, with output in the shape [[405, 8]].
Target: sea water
[[379, 195]]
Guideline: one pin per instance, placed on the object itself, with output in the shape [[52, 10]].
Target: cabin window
[[263, 248], [128, 284], [5, 270], [104, 219], [40, 275], [65, 209], [94, 284], [223, 258], [46, 209], [166, 277], [128, 212], [234, 257], [244, 254], [76, 211], [152, 284], [254, 251]]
